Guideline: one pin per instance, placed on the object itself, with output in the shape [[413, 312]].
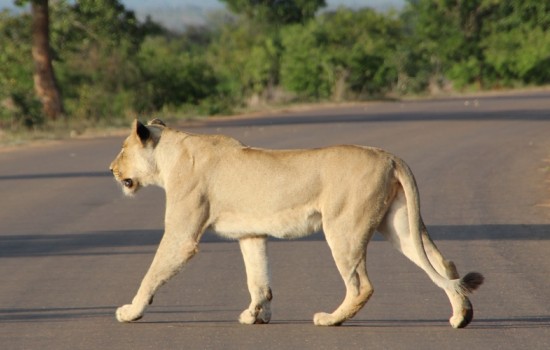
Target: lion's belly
[[289, 223]]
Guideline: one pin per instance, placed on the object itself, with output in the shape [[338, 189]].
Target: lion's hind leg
[[254, 250], [349, 253], [395, 228]]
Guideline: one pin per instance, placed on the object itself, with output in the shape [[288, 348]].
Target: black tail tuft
[[472, 281]]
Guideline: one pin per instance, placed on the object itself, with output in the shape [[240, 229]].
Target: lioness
[[245, 193]]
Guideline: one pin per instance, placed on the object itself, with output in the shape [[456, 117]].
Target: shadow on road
[[17, 315], [49, 314], [478, 323], [146, 241], [384, 116], [94, 243], [55, 176], [514, 322]]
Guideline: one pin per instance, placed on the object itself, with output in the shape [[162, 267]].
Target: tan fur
[[248, 194]]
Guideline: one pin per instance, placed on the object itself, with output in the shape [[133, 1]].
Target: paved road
[[72, 248]]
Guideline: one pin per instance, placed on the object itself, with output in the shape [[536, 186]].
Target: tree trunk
[[44, 79]]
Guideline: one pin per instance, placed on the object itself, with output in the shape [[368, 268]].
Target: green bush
[[110, 67], [18, 104], [306, 67], [171, 77], [344, 54]]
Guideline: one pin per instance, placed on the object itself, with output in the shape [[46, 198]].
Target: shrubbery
[[110, 67]]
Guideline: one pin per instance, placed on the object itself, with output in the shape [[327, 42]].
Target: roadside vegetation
[[108, 67]]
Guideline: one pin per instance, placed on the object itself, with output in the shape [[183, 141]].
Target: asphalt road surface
[[72, 248]]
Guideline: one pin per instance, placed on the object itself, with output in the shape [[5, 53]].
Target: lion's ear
[[141, 131]]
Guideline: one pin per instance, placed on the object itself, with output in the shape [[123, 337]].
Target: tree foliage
[[483, 42], [18, 103], [276, 11], [111, 67], [518, 47], [170, 76], [245, 58]]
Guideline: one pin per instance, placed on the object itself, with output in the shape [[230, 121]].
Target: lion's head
[[135, 165]]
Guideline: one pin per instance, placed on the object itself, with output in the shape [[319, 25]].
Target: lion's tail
[[464, 285]]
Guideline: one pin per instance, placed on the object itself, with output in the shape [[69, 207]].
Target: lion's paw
[[249, 317], [128, 313], [462, 317], [324, 319], [462, 320]]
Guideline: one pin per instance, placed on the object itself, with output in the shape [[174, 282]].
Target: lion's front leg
[[171, 255], [254, 250], [178, 245]]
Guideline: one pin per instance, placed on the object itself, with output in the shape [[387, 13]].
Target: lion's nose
[[111, 169]]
